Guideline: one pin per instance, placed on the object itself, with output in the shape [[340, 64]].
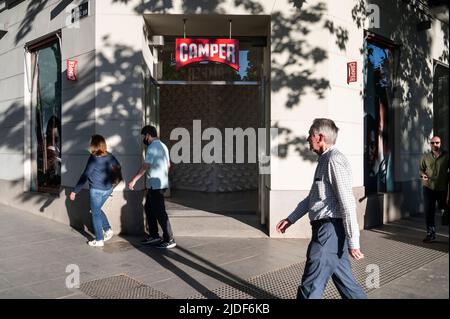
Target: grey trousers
[[327, 257]]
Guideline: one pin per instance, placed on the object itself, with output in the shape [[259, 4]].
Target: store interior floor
[[205, 214], [242, 202]]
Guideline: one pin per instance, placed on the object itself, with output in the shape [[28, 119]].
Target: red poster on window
[[71, 70], [351, 72], [218, 50]]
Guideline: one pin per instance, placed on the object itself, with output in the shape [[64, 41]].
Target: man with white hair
[[332, 211]]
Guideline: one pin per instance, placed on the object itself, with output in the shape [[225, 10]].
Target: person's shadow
[[79, 213], [132, 219], [176, 260]]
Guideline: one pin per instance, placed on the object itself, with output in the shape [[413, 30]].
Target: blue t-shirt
[[157, 157], [98, 172]]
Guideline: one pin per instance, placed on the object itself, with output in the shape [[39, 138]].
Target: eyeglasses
[[435, 142]]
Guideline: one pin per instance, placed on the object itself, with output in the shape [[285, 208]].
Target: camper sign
[[196, 50]]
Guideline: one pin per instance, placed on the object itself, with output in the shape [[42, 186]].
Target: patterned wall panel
[[219, 106]]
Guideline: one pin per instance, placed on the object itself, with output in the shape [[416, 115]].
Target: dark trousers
[[327, 257], [155, 210], [430, 198]]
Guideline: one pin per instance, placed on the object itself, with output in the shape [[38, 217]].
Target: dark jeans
[[327, 257], [430, 198], [155, 210]]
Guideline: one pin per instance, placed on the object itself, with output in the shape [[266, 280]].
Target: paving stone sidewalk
[[37, 255]]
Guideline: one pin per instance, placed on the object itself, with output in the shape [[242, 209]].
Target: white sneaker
[[107, 235], [96, 243], [167, 244]]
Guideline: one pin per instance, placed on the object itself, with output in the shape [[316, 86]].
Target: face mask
[[146, 143]]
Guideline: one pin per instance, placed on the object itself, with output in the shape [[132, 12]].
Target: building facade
[[71, 69]]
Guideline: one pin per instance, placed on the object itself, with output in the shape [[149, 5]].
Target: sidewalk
[[34, 254]]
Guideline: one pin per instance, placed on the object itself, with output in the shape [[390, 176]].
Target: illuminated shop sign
[[196, 50]]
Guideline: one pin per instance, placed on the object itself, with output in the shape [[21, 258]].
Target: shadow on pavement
[[168, 259], [411, 231]]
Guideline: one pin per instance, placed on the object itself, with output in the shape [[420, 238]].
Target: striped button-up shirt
[[331, 195]]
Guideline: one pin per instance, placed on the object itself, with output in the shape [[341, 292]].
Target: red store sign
[[196, 50], [351, 72], [71, 70]]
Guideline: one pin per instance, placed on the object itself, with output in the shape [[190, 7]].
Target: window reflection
[[46, 125], [380, 63], [440, 104]]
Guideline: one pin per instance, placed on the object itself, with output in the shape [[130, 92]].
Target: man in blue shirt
[[156, 167]]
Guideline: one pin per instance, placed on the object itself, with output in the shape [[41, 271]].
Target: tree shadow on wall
[[26, 26], [412, 92], [302, 56], [115, 102], [124, 67]]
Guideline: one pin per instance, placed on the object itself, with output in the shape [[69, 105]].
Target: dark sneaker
[[151, 241], [430, 238], [167, 244]]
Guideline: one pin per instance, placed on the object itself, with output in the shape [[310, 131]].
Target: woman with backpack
[[100, 172]]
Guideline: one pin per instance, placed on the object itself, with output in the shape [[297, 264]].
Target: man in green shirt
[[434, 173]]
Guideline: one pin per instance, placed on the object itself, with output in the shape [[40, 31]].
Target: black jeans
[[430, 198], [155, 210]]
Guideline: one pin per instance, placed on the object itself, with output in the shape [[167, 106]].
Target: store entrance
[[207, 101], [218, 187]]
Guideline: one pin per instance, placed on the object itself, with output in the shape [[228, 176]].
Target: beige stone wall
[[305, 67]]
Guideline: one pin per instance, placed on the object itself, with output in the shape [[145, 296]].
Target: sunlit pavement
[[41, 258]]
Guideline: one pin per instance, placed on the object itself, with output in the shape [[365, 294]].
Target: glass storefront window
[[381, 60], [46, 118], [440, 104]]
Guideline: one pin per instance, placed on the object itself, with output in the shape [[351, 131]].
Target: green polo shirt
[[436, 169]]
